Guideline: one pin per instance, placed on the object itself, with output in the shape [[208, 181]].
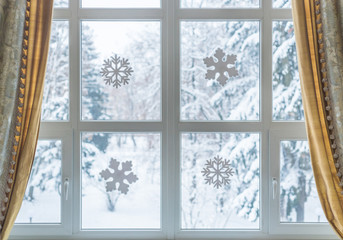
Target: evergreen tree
[[55, 105], [297, 181], [287, 103]]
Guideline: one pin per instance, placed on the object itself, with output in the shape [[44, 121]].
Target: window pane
[[232, 206], [60, 3], [42, 200], [129, 199], [299, 200], [121, 4], [219, 3], [287, 102], [203, 99], [140, 97], [281, 3], [55, 104]]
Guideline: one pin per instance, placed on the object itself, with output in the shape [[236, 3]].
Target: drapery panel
[[24, 44], [319, 40]]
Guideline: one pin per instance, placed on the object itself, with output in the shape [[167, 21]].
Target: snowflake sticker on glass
[[116, 71], [219, 64], [217, 172], [119, 176]]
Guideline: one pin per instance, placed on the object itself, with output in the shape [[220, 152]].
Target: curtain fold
[[319, 62], [27, 78]]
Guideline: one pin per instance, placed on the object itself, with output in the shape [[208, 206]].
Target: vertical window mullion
[[75, 41], [171, 116], [266, 110]]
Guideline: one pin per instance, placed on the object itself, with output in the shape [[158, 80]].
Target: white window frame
[[171, 128], [276, 136], [64, 228]]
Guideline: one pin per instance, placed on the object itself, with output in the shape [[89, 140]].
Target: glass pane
[[61, 3], [203, 99], [55, 104], [42, 200], [127, 96], [287, 102], [281, 3], [218, 204], [121, 4], [299, 200], [219, 3], [111, 197]]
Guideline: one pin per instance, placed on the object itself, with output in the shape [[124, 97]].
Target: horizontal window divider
[[121, 126], [129, 233], [117, 14], [205, 234], [285, 127], [61, 14], [46, 127], [222, 14], [281, 14], [246, 234], [221, 126]]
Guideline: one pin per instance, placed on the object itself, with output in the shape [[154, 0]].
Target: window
[[140, 111]]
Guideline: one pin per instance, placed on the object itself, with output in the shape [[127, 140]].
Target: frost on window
[[55, 106], [232, 206], [299, 201], [220, 3], [140, 100], [61, 3], [287, 101], [139, 207], [282, 3], [121, 3], [203, 99], [42, 199]]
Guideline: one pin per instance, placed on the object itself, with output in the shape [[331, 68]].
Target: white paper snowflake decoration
[[118, 176], [217, 172], [220, 62], [116, 71]]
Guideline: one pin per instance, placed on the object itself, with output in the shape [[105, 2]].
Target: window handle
[[66, 188], [274, 182]]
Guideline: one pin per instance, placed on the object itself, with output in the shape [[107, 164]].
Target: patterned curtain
[[24, 43], [319, 39]]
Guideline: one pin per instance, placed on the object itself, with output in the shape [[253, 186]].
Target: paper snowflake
[[220, 62], [116, 71], [217, 172], [118, 176]]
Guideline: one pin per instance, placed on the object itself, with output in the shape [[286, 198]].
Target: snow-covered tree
[[94, 96], [297, 181], [204, 206], [55, 104], [203, 99], [61, 3], [287, 103], [219, 4], [46, 170]]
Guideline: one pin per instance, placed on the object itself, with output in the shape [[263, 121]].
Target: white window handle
[[274, 181], [66, 188]]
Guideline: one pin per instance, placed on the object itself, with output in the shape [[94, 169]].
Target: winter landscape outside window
[[167, 123]]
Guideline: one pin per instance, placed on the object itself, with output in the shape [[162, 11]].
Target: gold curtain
[[27, 111], [320, 92]]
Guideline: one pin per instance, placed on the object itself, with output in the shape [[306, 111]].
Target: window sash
[[64, 228], [275, 226]]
